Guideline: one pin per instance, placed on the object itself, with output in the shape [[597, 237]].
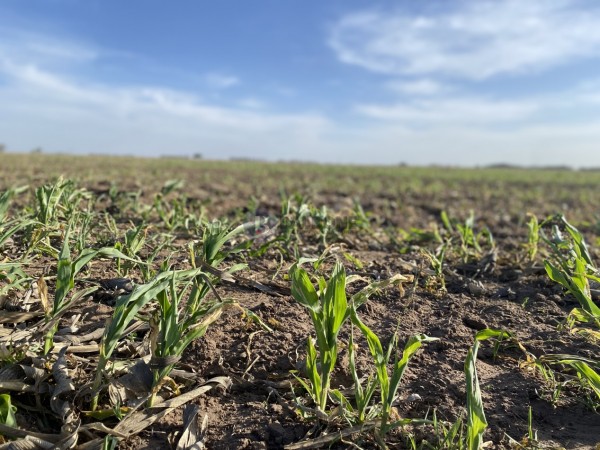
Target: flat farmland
[[166, 302]]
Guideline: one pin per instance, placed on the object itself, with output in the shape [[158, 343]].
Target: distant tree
[[37, 150], [197, 156], [2, 148]]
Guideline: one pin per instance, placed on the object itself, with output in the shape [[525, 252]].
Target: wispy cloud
[[51, 96], [423, 86], [26, 47], [448, 111], [471, 39], [221, 81], [66, 110]]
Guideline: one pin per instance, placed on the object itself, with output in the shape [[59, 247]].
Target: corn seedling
[[215, 235], [415, 238], [323, 222], [126, 308], [172, 213], [357, 263], [177, 323], [533, 237], [54, 202], [328, 309], [572, 267], [293, 214], [476, 421], [585, 374], [163, 289], [58, 197], [530, 440], [447, 222], [437, 263], [135, 239], [67, 269], [12, 277], [388, 385], [361, 411], [446, 436], [11, 227], [158, 243], [7, 411], [449, 436], [359, 219], [468, 238], [48, 198], [5, 199]]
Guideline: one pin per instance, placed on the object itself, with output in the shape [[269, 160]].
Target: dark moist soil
[[257, 413]]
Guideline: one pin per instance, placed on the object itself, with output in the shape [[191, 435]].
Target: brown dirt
[[256, 412]]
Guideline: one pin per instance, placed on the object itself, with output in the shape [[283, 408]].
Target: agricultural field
[[157, 303]]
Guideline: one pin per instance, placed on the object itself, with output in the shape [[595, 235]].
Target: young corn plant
[[11, 277], [388, 384], [7, 412], [163, 288], [172, 213], [67, 270], [359, 219], [328, 310], [48, 199], [326, 224], [469, 244], [158, 243], [126, 309], [361, 411], [8, 227], [178, 322], [572, 267], [134, 241], [6, 198], [575, 371], [84, 222], [11, 227], [54, 203], [530, 440], [533, 238], [476, 421], [437, 263], [294, 211], [216, 235], [446, 436]]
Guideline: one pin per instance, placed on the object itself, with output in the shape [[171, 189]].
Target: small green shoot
[[7, 411], [476, 421], [328, 310], [389, 385]]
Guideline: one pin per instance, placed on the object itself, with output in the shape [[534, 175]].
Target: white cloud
[[451, 110], [40, 86], [42, 105], [471, 40], [221, 81], [24, 47], [47, 100], [423, 86], [252, 103]]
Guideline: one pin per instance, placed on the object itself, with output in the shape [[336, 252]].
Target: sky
[[339, 81]]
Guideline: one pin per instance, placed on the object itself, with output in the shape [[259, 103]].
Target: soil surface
[[497, 287]]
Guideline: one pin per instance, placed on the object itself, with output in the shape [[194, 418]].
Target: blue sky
[[447, 82]]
